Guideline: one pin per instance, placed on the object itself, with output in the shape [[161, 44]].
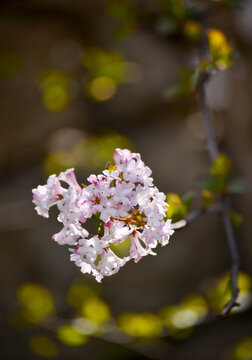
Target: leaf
[[70, 336], [187, 199], [209, 183], [207, 198], [236, 218], [220, 50], [43, 346], [176, 209], [221, 167], [186, 87]]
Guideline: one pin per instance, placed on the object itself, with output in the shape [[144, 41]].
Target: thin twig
[[206, 113], [235, 263], [199, 212], [213, 153]]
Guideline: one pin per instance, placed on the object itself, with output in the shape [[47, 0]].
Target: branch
[[235, 263], [199, 212], [213, 153]]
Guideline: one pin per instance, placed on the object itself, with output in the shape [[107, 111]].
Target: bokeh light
[[54, 85], [189, 313], [142, 325], [220, 49], [95, 310], [243, 350], [35, 301], [43, 346], [70, 336], [79, 293], [221, 293], [102, 88]]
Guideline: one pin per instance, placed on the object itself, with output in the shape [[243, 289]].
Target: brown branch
[[235, 264], [213, 153], [199, 212]]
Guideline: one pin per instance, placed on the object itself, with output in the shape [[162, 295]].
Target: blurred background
[[79, 79]]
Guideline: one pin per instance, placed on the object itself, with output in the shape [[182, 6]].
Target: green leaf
[[175, 8], [43, 347], [220, 171], [186, 87], [207, 198], [122, 30], [222, 166], [236, 219], [176, 209], [68, 335], [35, 301], [187, 199], [209, 183]]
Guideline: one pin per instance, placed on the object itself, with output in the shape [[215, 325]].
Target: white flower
[[124, 204]]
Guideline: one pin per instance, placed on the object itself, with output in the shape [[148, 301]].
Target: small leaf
[[68, 335], [220, 171], [43, 347], [96, 310], [207, 198], [186, 87], [176, 209], [35, 301], [209, 183], [192, 30], [220, 49], [187, 199], [222, 166], [236, 219], [141, 325]]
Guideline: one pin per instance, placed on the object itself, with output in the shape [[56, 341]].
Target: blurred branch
[[199, 212], [206, 113], [213, 153], [235, 263]]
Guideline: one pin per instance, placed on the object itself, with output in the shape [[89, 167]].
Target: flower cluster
[[124, 203]]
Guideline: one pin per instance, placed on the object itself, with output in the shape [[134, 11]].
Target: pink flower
[[124, 204]]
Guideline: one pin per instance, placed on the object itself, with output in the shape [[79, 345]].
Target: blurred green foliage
[[207, 198], [70, 336], [236, 218], [43, 346], [95, 310], [106, 70], [217, 180], [178, 207], [220, 50], [243, 350], [174, 8], [190, 312], [176, 210], [186, 87], [126, 13], [79, 293], [95, 151], [54, 85], [93, 317], [192, 30], [140, 325], [35, 301], [92, 153], [221, 292]]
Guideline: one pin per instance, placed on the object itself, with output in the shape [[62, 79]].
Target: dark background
[[39, 35]]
